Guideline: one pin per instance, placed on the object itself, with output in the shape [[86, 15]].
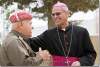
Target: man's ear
[[19, 24], [70, 13]]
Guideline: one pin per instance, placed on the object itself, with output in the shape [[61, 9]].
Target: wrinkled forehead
[[58, 9]]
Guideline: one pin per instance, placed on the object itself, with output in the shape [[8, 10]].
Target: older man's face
[[59, 16], [27, 28]]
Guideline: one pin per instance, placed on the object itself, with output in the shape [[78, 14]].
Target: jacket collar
[[19, 34]]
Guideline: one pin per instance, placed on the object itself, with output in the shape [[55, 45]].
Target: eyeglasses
[[57, 14]]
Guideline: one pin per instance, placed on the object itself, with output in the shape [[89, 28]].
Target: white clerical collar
[[64, 29]]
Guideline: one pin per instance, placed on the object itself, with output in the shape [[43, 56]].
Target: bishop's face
[[59, 16]]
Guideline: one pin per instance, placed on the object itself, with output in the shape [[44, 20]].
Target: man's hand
[[76, 63], [44, 54]]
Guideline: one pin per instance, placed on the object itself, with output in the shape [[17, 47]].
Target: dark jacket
[[81, 45]]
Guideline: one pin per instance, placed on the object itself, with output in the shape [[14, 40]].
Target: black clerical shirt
[[81, 45]]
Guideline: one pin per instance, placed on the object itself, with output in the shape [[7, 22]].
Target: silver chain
[[66, 55]]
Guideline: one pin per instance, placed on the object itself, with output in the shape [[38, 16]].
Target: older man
[[14, 50], [69, 45]]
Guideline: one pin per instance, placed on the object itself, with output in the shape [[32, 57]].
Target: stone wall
[[95, 41]]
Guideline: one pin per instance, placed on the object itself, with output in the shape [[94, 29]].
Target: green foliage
[[74, 5]]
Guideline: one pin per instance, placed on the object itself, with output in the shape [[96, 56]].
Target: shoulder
[[79, 29], [10, 39]]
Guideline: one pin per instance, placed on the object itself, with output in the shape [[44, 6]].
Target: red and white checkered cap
[[19, 16]]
